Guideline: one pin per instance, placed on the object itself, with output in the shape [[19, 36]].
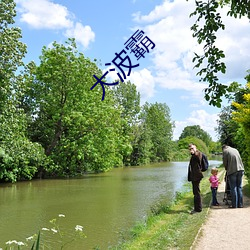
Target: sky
[[166, 73]]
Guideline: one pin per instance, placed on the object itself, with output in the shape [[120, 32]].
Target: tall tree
[[208, 23], [196, 131], [19, 158], [78, 130], [184, 142], [229, 130], [128, 100], [12, 51], [227, 127], [157, 121], [241, 115]]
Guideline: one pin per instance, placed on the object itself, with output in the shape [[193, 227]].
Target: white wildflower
[[29, 238], [20, 243], [54, 230], [61, 215], [78, 228], [45, 229], [10, 242]]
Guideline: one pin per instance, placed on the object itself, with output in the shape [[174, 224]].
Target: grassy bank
[[170, 227]]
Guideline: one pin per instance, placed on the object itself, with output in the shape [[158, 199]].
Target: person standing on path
[[235, 169], [214, 186], [195, 175]]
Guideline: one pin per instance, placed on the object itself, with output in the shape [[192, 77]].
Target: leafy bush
[[20, 160]]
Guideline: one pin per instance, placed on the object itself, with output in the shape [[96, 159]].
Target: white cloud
[[234, 41], [145, 83], [160, 11], [44, 14], [143, 79], [83, 34], [168, 25], [172, 56], [200, 117]]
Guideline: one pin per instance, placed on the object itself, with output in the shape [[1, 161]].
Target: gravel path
[[225, 228]]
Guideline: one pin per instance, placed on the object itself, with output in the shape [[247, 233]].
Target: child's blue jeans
[[214, 196]]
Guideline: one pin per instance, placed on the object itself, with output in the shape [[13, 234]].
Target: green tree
[[142, 145], [183, 144], [241, 116], [227, 127], [215, 147], [229, 130], [233, 125], [207, 24], [20, 158], [12, 50], [157, 122], [78, 131], [196, 131], [128, 100]]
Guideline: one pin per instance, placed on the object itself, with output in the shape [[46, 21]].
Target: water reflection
[[105, 204]]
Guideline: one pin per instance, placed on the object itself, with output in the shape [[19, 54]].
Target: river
[[104, 204]]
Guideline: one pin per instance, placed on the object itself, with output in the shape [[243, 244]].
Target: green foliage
[[20, 158], [52, 124], [215, 147], [53, 237], [142, 145], [242, 117], [128, 100], [12, 50], [201, 146], [237, 8], [78, 131], [157, 123], [227, 127], [233, 123], [170, 226], [196, 131], [181, 154], [205, 28], [36, 243]]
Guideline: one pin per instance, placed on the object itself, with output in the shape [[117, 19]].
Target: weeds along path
[[225, 228]]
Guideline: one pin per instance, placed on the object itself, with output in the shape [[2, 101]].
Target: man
[[235, 170], [195, 175]]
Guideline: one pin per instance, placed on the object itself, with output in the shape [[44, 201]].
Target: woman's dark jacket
[[194, 168]]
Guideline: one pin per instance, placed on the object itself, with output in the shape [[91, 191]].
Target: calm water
[[104, 204]]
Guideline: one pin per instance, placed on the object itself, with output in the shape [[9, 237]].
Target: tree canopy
[[196, 131], [19, 157], [205, 28], [52, 124], [201, 146], [233, 124]]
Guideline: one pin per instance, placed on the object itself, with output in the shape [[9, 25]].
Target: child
[[214, 185]]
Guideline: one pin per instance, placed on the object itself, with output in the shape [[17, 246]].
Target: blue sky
[[166, 74]]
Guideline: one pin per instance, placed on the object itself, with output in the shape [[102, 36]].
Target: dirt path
[[225, 228]]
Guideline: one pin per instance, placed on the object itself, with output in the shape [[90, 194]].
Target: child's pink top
[[214, 181]]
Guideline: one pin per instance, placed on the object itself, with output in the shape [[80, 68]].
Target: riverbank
[[173, 227], [226, 228]]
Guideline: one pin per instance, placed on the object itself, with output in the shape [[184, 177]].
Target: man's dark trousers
[[197, 196]]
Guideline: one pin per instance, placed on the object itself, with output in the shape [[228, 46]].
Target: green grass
[[170, 226], [246, 188]]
